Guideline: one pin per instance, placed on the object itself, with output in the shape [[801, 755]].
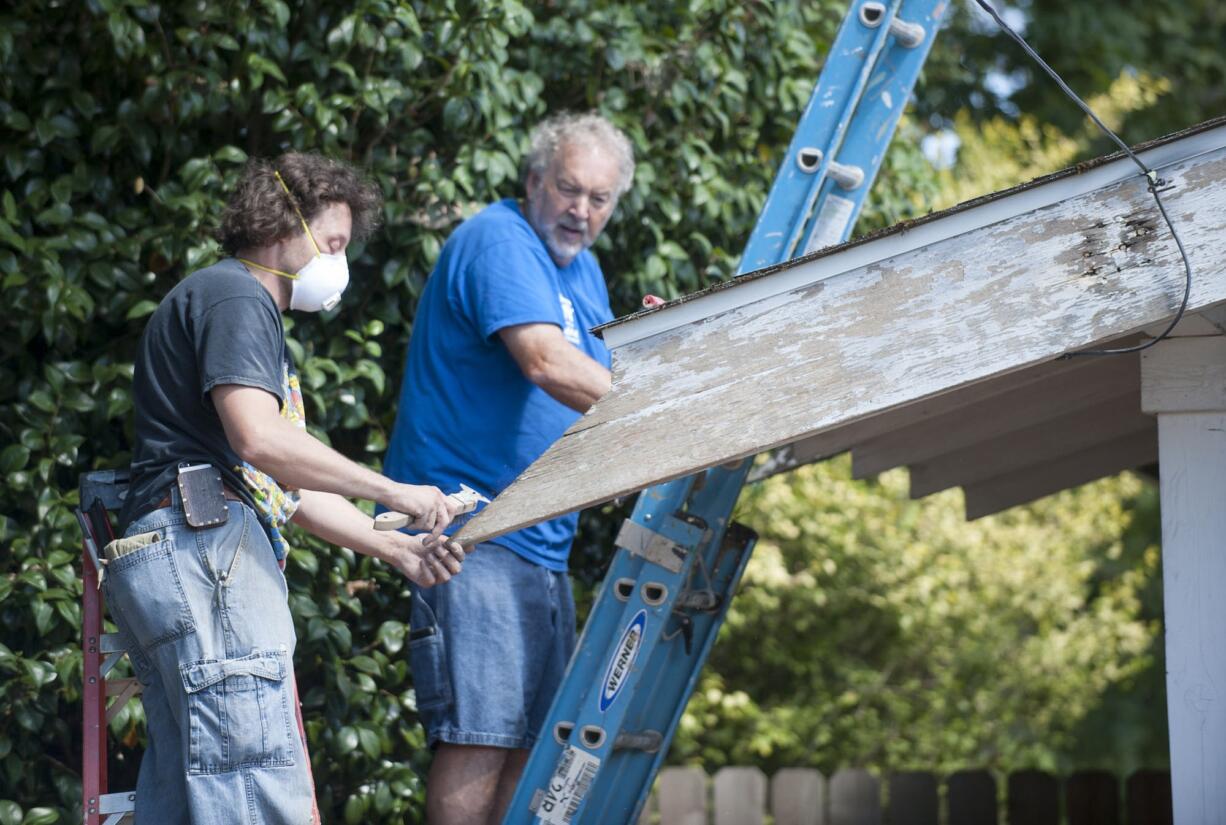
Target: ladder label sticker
[[624, 654], [831, 223], [568, 786]]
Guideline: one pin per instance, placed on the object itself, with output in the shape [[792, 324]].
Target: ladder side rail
[[594, 641], [662, 502], [872, 128], [585, 676], [95, 532], [709, 506], [672, 674], [98, 492], [846, 72]]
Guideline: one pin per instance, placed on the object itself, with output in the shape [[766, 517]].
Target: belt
[[174, 499]]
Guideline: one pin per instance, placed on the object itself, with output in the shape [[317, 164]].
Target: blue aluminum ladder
[[679, 556]]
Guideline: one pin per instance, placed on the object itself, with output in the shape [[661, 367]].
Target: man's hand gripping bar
[[466, 498]]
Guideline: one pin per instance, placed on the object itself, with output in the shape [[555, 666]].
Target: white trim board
[[947, 224]]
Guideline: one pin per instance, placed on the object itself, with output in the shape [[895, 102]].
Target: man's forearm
[[334, 519], [573, 378], [297, 459]]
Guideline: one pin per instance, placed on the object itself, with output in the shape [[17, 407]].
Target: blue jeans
[[488, 650], [206, 624]]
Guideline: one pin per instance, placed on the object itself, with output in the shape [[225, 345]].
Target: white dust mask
[[320, 283]]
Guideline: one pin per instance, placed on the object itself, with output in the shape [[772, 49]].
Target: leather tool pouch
[[203, 494]]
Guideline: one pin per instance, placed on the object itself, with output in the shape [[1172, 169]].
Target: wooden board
[[1016, 405], [1033, 799], [972, 798], [832, 442], [1147, 797], [1033, 446], [798, 797], [913, 798], [740, 796], [855, 798], [969, 308], [1108, 458], [681, 794], [1092, 798]]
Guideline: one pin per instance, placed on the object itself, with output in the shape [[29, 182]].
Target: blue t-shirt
[[467, 414]]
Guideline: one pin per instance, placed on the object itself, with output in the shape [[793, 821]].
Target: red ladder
[[101, 491]]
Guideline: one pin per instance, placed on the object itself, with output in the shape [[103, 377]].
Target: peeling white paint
[[897, 329]]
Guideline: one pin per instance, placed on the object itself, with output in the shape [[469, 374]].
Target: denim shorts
[[204, 618], [489, 648]]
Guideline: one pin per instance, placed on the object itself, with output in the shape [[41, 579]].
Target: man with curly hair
[[220, 462], [500, 363]]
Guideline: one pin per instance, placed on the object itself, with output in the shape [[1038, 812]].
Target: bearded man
[[500, 363]]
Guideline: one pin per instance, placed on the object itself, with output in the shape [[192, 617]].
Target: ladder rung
[[697, 600], [112, 643], [647, 740], [108, 664], [908, 35], [125, 690], [115, 687], [117, 803]]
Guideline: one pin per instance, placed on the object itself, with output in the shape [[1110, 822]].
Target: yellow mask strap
[[289, 275], [292, 276], [297, 211]]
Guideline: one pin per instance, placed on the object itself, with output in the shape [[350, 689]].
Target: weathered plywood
[[969, 308], [1215, 316], [832, 442]]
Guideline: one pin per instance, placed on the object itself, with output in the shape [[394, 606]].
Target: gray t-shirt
[[217, 326]]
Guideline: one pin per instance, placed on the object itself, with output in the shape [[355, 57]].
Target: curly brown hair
[[259, 212]]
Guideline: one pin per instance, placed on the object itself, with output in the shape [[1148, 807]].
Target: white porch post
[[1183, 382]]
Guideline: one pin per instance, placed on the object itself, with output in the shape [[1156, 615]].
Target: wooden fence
[[802, 796]]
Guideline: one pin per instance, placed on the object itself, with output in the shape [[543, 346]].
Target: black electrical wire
[[1154, 182]]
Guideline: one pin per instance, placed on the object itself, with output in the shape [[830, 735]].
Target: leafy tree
[[876, 630], [1091, 45]]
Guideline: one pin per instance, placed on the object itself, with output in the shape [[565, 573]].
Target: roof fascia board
[[952, 222]]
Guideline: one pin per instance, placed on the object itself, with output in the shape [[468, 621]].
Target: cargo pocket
[[239, 713], [145, 592], [428, 657]]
